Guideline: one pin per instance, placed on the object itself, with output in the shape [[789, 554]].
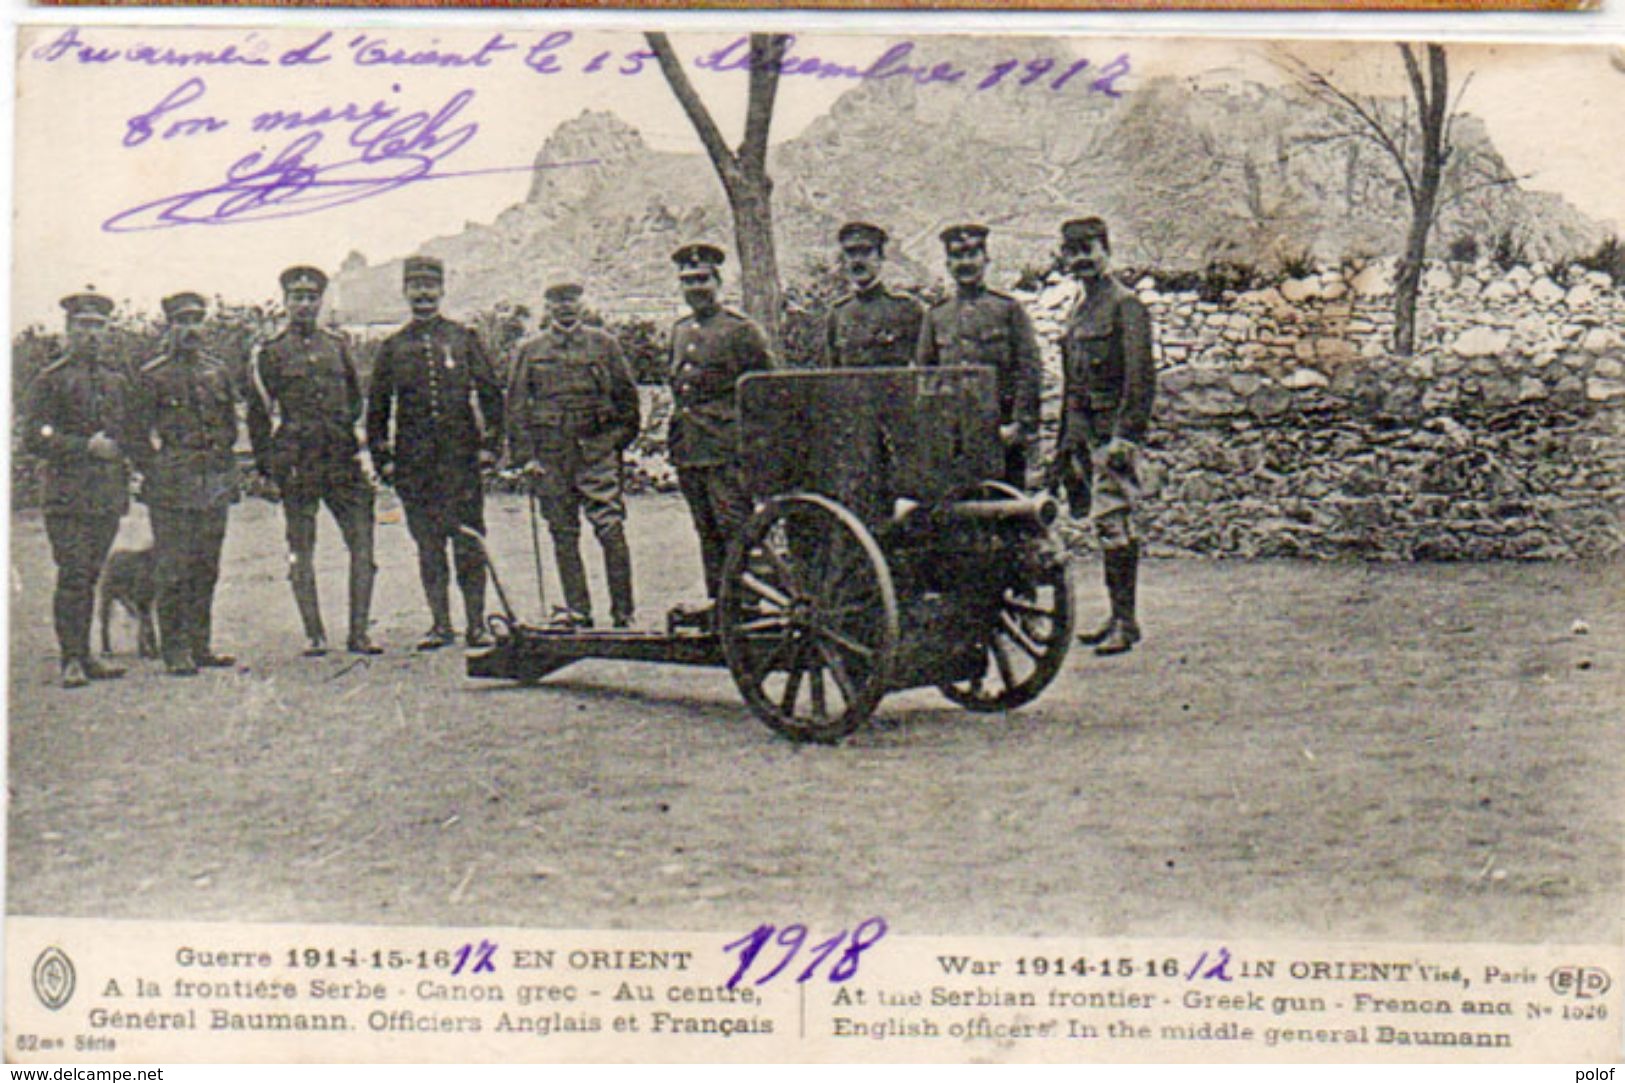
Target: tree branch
[[766, 56], [727, 165]]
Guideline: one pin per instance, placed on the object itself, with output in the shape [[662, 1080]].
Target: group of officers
[[437, 413]]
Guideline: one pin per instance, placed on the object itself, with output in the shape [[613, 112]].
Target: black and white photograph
[[1109, 489]]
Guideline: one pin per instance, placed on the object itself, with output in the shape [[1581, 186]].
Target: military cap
[[1084, 230], [561, 292], [89, 303], [861, 231], [179, 303], [961, 233], [423, 267], [699, 257], [303, 278]]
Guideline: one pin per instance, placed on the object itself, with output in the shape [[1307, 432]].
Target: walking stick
[[536, 547]]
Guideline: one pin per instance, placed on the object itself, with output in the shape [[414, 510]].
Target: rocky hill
[[1188, 171]]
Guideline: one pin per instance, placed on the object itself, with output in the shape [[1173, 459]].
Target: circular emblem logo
[[53, 978]]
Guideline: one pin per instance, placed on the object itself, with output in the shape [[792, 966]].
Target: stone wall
[[1285, 426]]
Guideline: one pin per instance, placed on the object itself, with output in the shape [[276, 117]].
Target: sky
[[84, 154]]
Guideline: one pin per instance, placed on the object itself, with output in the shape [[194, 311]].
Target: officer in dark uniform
[[434, 379], [79, 423], [710, 350], [301, 420], [575, 410], [871, 326], [1110, 385], [981, 326], [189, 482]]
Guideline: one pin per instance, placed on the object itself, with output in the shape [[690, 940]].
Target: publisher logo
[[1580, 982], [53, 978]]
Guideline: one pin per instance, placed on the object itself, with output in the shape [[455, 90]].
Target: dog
[[130, 580]]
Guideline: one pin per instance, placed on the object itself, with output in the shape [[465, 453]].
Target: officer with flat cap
[[574, 408], [981, 326], [433, 379], [186, 415], [711, 348], [871, 326], [78, 421], [1110, 382], [302, 423]]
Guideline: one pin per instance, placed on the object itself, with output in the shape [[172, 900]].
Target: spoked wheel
[[1027, 638], [808, 618]]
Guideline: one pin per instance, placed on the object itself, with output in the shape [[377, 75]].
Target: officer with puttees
[[573, 408], [78, 421], [711, 348], [1110, 382], [981, 326], [302, 420], [188, 480], [433, 379], [871, 326]]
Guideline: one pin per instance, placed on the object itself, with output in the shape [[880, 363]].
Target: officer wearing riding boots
[[186, 415], [711, 348], [871, 326], [434, 419], [78, 420], [981, 326], [574, 411], [1110, 383], [302, 423]]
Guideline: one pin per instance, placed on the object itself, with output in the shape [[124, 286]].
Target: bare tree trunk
[[1432, 95], [743, 173]]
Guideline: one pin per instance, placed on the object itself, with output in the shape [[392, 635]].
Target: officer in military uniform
[[78, 421], [302, 422], [1109, 387], [433, 378], [871, 326], [981, 326], [189, 481], [575, 411], [710, 350]]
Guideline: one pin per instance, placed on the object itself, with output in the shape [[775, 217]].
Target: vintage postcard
[[547, 545]]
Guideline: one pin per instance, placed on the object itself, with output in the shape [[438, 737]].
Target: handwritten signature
[[389, 149]]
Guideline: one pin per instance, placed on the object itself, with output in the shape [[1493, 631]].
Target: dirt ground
[[1296, 749]]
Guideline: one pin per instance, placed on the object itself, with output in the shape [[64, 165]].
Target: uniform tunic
[[84, 497], [1110, 384], [309, 379], [988, 328], [434, 379], [188, 482], [573, 410], [872, 328]]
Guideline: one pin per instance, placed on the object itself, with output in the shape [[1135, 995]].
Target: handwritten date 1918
[[792, 937]]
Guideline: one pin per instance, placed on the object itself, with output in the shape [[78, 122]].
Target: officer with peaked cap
[[981, 326], [574, 405], [78, 421], [870, 326], [301, 421], [1110, 383], [711, 348], [186, 415], [434, 419]]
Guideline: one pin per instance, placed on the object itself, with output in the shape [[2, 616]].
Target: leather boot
[[362, 572], [1125, 631], [302, 575], [202, 633], [471, 582], [618, 570], [573, 574], [1109, 560]]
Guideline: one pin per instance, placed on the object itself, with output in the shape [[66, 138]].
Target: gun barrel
[[1041, 510]]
